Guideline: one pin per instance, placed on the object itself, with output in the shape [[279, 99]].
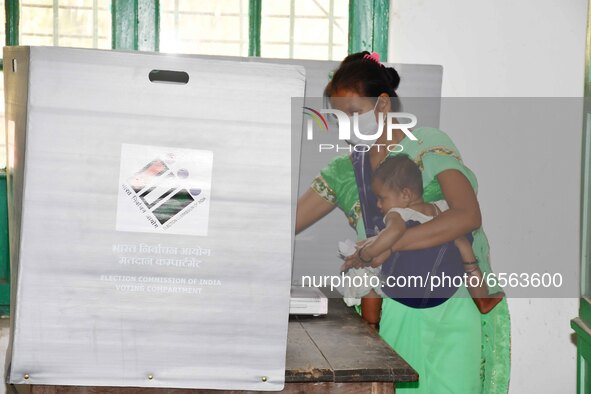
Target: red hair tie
[[374, 57]]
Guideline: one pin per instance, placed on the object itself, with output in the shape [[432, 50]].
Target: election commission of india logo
[[164, 190]]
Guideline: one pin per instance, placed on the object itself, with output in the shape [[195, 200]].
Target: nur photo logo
[[360, 131]]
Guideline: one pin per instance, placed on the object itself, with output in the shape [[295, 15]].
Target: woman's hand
[[354, 261]]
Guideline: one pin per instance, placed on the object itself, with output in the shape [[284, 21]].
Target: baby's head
[[396, 182]]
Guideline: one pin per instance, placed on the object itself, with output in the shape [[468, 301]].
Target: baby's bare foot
[[487, 304]]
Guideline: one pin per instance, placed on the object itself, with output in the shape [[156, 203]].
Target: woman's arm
[[462, 217], [311, 208]]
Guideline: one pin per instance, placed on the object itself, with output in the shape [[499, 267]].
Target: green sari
[[453, 347]]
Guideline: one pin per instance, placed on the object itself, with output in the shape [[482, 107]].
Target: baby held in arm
[[397, 185]]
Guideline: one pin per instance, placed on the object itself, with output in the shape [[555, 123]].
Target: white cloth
[[410, 214], [352, 294]]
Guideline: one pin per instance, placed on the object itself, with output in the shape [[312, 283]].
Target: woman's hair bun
[[392, 76], [354, 57], [363, 73]]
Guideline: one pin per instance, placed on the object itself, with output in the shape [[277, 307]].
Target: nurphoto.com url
[[505, 280]]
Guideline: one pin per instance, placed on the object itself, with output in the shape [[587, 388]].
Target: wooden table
[[340, 353], [337, 353]]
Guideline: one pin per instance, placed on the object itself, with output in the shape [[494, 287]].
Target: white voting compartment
[[150, 218]]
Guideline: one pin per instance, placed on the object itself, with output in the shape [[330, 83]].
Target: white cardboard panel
[[102, 298]]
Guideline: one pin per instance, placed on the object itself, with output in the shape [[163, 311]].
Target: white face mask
[[366, 129]]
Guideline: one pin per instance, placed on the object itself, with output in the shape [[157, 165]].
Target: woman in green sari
[[452, 346]]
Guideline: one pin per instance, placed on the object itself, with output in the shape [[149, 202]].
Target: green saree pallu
[[453, 347]]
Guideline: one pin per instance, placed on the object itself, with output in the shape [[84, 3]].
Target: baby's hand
[[352, 261]]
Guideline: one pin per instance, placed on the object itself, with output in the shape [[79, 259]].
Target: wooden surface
[[290, 388], [336, 353], [340, 347]]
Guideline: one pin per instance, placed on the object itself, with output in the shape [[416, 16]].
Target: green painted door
[[582, 324]]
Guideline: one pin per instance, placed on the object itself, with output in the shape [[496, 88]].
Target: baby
[[397, 185]]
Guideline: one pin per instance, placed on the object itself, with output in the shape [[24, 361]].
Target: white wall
[[494, 47], [506, 48]]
